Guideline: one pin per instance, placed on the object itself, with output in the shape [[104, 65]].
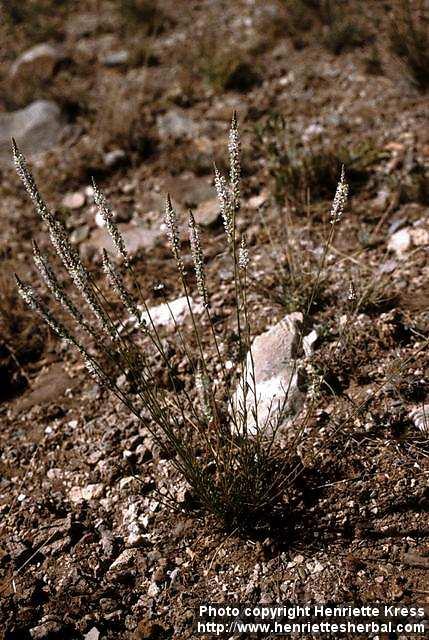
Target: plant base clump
[[232, 475]]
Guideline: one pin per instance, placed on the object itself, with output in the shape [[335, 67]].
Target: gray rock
[[135, 237], [37, 63], [276, 380], [50, 386], [207, 213], [36, 128], [186, 191], [176, 124]]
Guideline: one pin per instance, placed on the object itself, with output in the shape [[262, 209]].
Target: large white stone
[[278, 397], [400, 242]]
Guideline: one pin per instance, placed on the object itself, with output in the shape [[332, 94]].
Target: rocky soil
[[140, 96]]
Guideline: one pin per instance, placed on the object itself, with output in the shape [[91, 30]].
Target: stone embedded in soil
[[115, 58], [161, 315], [80, 234], [125, 560], [83, 24], [278, 396], [136, 237], [132, 521], [400, 242], [37, 63], [36, 128], [176, 123], [186, 191], [207, 212], [74, 200], [49, 386], [75, 495], [396, 224]]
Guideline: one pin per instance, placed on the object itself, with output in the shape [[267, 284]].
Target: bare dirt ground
[[146, 90]]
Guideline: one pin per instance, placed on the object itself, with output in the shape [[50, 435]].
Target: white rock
[[400, 242], [312, 131], [162, 315], [276, 381], [309, 341], [125, 482], [135, 538], [174, 574]]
